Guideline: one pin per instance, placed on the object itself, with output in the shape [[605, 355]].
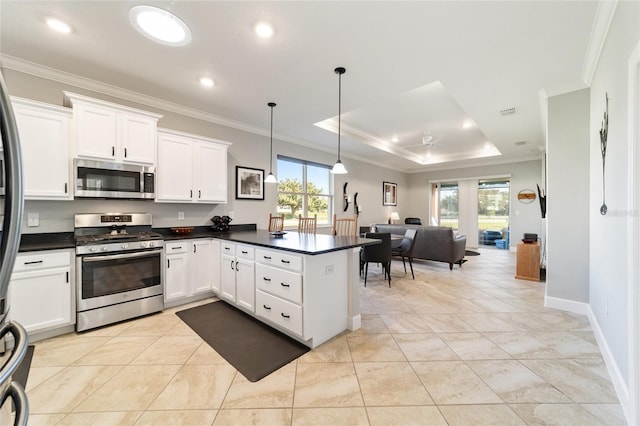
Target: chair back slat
[[347, 227], [276, 223], [307, 225]]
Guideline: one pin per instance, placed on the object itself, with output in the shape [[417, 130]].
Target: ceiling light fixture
[[467, 124], [338, 168], [264, 30], [160, 26], [207, 82], [271, 178], [58, 25], [395, 139]]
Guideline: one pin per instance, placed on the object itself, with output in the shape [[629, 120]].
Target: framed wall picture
[[249, 183], [389, 194]]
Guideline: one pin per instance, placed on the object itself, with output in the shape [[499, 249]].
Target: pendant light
[[271, 178], [338, 168]]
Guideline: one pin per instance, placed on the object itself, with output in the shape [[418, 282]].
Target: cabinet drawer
[[244, 252], [279, 311], [281, 283], [41, 260], [227, 248], [279, 259], [176, 247]]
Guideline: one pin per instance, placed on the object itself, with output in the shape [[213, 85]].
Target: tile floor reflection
[[472, 346]]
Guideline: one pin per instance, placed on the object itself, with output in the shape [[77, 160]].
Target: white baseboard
[[567, 305], [619, 384]]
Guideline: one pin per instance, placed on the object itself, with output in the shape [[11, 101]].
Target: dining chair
[[377, 253], [405, 249], [276, 223], [412, 221], [307, 225], [345, 227]]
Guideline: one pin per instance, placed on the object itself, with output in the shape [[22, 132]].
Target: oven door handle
[[120, 256]]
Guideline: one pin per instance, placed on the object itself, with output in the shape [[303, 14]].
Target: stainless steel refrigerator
[[11, 393]]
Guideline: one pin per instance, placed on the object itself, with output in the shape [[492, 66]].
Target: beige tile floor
[[472, 346]]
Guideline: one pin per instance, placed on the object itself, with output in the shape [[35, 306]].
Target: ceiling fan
[[428, 141]]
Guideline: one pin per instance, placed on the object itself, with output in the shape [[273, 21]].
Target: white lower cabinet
[[191, 269], [237, 276], [42, 292]]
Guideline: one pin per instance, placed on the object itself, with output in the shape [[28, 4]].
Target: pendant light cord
[[339, 109], [271, 104]]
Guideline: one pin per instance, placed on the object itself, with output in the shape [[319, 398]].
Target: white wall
[[568, 197], [524, 175], [609, 233], [248, 149]]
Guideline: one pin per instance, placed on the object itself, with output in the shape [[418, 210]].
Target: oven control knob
[[143, 244], [124, 246], [92, 249], [104, 248], [152, 243]]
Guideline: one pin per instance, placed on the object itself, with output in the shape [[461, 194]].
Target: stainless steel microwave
[[103, 179]]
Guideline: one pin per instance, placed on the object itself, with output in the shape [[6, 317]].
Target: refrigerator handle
[[14, 199]]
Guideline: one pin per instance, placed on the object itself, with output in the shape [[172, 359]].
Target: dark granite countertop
[[298, 243], [47, 241], [201, 232]]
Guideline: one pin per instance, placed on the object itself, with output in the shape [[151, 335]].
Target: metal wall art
[[604, 132]]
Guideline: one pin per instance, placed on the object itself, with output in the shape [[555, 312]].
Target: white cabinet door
[[41, 299], [215, 266], [245, 284], [211, 172], [201, 279], [44, 139], [174, 175], [137, 139], [95, 131], [176, 271], [228, 277]]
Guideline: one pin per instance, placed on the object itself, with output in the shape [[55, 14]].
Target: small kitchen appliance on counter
[[221, 223], [118, 268]]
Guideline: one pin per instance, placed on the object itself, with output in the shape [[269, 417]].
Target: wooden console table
[[528, 261]]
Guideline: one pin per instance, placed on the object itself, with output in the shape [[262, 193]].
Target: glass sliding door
[[448, 205], [493, 211]]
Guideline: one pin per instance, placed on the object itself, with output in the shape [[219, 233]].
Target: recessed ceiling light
[[467, 124], [264, 30], [58, 25], [394, 139], [488, 145], [207, 82], [160, 25]]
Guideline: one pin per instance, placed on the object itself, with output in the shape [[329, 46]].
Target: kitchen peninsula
[[305, 285]]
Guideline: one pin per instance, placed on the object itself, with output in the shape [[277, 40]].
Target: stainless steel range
[[118, 268]]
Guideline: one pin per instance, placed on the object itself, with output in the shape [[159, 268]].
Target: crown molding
[[601, 23]]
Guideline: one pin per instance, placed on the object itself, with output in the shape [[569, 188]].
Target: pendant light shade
[[338, 168], [271, 178]]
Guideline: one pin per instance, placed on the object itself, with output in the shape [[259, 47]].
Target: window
[[448, 203], [305, 188]]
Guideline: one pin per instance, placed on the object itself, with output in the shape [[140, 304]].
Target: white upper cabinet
[[191, 169], [44, 138], [108, 131]]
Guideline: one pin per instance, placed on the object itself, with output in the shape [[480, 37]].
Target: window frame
[[304, 194]]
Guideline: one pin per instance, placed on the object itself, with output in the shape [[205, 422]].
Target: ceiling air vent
[[520, 143], [508, 111]]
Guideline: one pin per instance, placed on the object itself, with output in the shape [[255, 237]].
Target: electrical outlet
[[180, 215], [33, 219], [231, 215], [329, 269]]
